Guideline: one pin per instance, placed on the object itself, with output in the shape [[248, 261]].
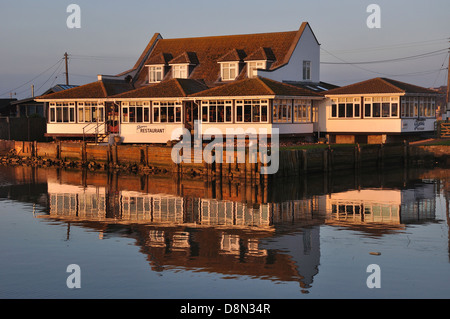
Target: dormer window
[[155, 73], [180, 71], [229, 71], [253, 66]]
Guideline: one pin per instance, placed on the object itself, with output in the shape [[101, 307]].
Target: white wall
[[307, 49]]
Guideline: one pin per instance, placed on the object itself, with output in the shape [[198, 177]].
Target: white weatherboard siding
[[307, 49]]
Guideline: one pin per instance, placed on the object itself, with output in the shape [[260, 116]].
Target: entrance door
[[112, 117]]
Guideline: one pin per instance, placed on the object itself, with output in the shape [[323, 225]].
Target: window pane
[[228, 113], [376, 109], [263, 113], [394, 109], [146, 114], [52, 115], [256, 111], [341, 110], [65, 111], [333, 110], [171, 114], [220, 112], [132, 114], [239, 113], [386, 109], [247, 112], [204, 114], [357, 109], [178, 114], [156, 114], [139, 115], [163, 114], [349, 109], [367, 109]]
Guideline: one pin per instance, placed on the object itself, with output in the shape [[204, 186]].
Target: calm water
[[148, 237]]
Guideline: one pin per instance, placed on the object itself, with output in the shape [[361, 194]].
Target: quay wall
[[292, 162]]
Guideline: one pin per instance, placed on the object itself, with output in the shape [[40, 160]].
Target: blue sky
[[113, 34]]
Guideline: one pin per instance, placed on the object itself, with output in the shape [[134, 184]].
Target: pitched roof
[[98, 89], [261, 54], [210, 49], [379, 86], [170, 88], [256, 87], [185, 57]]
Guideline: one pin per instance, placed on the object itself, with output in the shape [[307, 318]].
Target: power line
[[43, 72], [400, 45], [428, 54]]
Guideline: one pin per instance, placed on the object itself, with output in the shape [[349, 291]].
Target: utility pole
[[66, 57]]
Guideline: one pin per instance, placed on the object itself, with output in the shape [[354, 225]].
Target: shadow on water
[[235, 229]]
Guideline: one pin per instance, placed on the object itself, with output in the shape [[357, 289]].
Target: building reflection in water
[[233, 230]]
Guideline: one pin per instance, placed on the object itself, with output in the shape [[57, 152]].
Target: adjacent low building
[[378, 110]]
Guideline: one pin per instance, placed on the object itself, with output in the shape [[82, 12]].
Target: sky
[[410, 45]]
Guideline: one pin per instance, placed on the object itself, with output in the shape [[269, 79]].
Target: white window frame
[[87, 105], [54, 106], [301, 112], [180, 71], [226, 68], [155, 73], [284, 104], [307, 70], [145, 105], [177, 106], [253, 66], [227, 104], [253, 103]]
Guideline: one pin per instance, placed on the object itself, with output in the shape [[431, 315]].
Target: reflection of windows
[[90, 112], [167, 112], [254, 111], [282, 111], [302, 111], [216, 111], [136, 112], [62, 112], [418, 106]]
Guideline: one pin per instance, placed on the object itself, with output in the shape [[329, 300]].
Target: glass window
[[306, 70], [62, 112], [229, 71], [253, 66], [155, 73], [180, 71]]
